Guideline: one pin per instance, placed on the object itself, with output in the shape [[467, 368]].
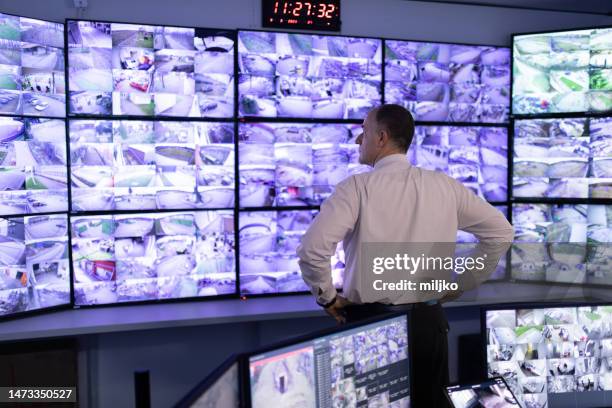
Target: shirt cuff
[[326, 296]]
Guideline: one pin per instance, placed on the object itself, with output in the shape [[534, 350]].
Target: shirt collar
[[391, 160]]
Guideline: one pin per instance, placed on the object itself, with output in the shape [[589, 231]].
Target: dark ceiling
[[603, 7]]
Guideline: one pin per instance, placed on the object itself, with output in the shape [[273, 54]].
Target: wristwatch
[[329, 304]]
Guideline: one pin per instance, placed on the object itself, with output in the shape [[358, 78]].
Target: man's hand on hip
[[337, 309]]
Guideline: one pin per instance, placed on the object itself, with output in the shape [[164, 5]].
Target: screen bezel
[[322, 333]]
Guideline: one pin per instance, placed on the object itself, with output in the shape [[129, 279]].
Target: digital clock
[[313, 15]]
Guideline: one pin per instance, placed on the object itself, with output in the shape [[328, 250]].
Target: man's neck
[[386, 154]]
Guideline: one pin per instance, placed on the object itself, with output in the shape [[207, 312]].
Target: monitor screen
[[440, 82], [563, 158], [362, 366], [268, 259], [562, 243], [288, 164], [552, 357], [33, 172], [220, 390], [31, 67], [152, 256], [34, 265], [308, 76], [493, 393], [476, 156], [567, 71], [147, 70], [134, 165]]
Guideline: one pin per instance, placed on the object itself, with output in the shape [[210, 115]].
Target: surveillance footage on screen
[[364, 366], [31, 67], [33, 172], [268, 243], [308, 76], [493, 393], [288, 164], [34, 265], [448, 82], [563, 158], [563, 72], [476, 156], [144, 70], [562, 243], [541, 352], [224, 392], [134, 165], [152, 256]]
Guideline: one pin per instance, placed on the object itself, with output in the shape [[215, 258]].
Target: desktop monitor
[[365, 364], [552, 355]]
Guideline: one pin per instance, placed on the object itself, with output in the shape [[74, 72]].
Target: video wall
[[439, 82], [31, 67], [146, 70], [34, 244], [562, 157], [560, 72], [552, 356]]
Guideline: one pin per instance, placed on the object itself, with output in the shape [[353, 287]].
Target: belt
[[406, 306]]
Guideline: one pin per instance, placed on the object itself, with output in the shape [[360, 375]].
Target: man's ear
[[383, 137]]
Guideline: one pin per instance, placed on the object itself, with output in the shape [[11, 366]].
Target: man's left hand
[[337, 309]]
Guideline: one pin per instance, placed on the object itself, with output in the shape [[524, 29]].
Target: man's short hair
[[396, 120]]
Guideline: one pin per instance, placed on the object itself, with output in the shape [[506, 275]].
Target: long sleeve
[[494, 233], [336, 219]]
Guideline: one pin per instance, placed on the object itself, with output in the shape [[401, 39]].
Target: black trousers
[[428, 352]]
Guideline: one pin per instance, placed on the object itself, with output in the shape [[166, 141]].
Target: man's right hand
[[337, 309]]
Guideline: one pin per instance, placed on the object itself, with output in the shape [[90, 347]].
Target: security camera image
[[152, 256], [31, 67], [563, 158], [285, 164], [562, 243], [548, 355], [33, 172], [489, 394], [324, 372], [34, 265], [566, 71], [140, 165], [290, 164], [308, 76], [448, 82], [268, 244], [142, 70], [475, 156]]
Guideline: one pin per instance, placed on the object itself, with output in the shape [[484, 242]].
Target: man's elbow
[[508, 233]]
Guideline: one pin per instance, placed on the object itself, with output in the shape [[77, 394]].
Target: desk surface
[[165, 315]]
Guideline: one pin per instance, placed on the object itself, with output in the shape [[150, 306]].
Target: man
[[399, 203]]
